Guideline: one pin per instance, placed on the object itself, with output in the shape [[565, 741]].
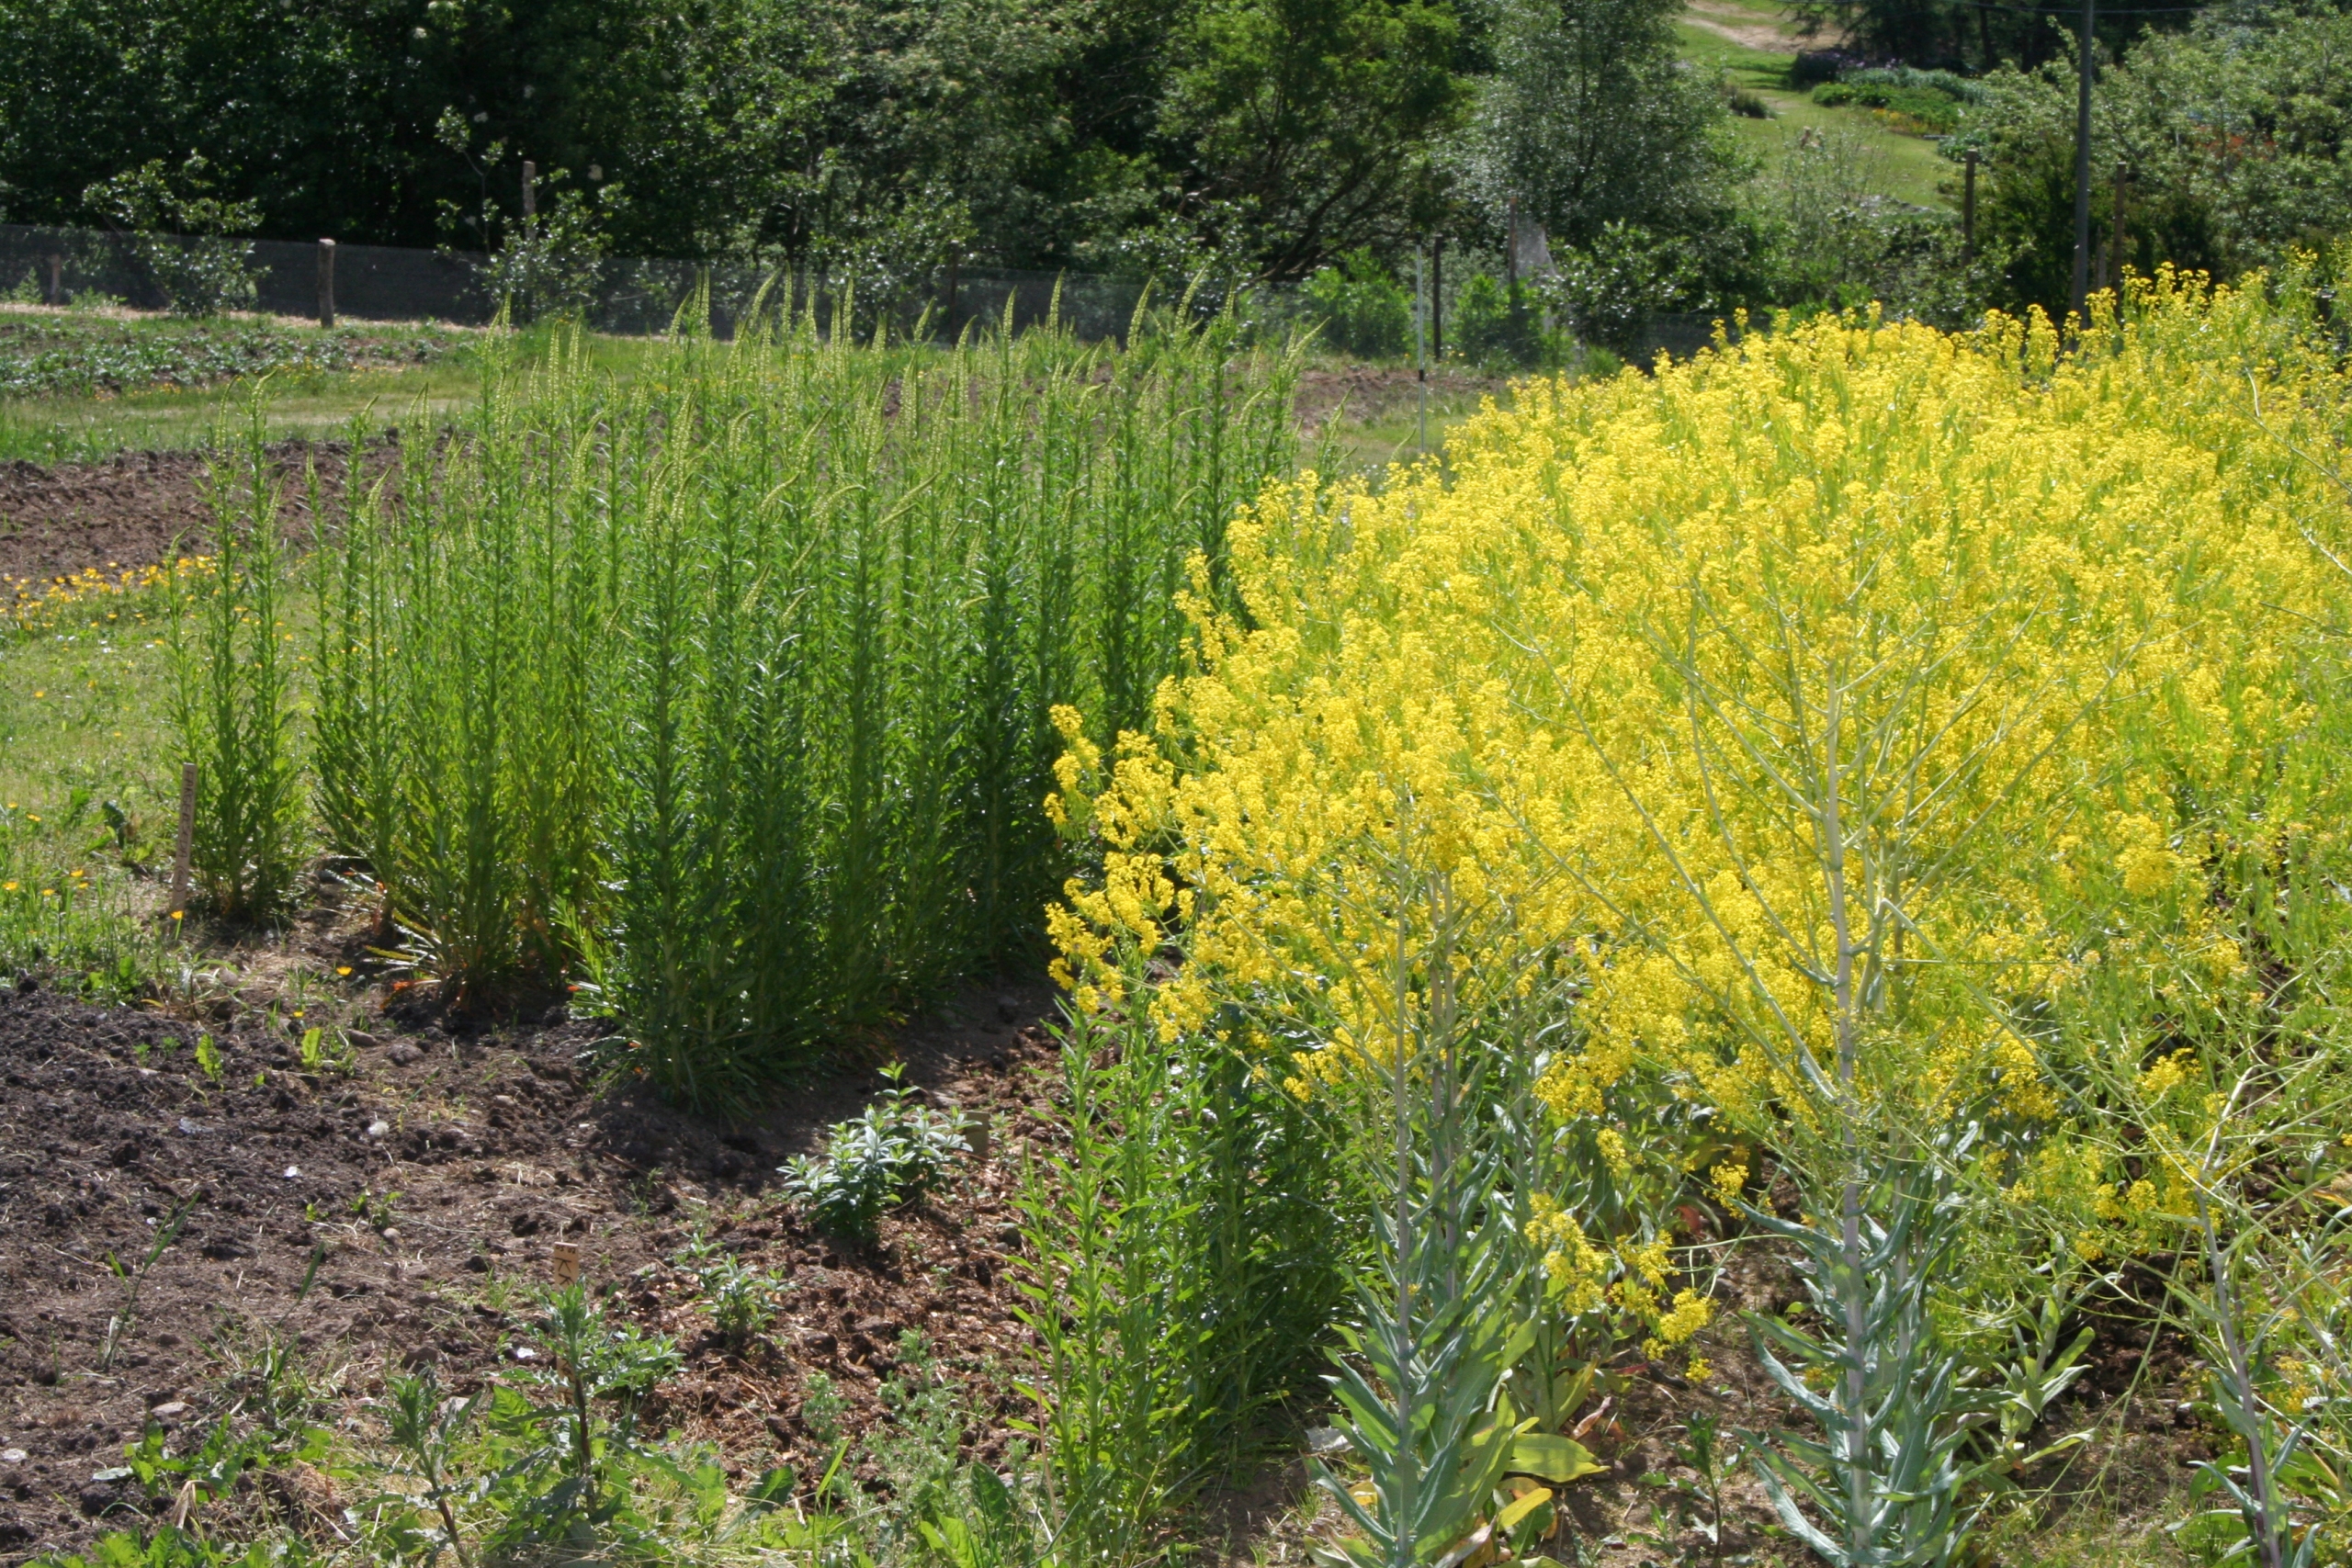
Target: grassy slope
[[1908, 167]]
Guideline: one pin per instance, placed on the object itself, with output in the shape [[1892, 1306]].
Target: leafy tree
[[1308, 122], [1590, 122], [2237, 136]]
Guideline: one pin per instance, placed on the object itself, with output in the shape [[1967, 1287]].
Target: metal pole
[[1968, 210], [327, 283], [2082, 161], [2115, 244], [1437, 298]]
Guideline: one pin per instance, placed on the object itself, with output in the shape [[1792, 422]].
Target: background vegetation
[[1680, 160]]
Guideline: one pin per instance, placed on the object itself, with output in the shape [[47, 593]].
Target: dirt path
[[1741, 26]]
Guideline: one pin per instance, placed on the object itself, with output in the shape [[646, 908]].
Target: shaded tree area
[[1976, 35], [1135, 134]]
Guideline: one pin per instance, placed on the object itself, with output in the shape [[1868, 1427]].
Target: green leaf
[[1521, 1506], [1554, 1459]]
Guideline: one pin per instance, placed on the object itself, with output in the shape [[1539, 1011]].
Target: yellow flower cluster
[[1630, 1279], [41, 603], [1846, 721]]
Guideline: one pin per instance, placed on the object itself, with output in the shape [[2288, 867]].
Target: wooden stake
[[187, 844], [57, 280], [327, 283], [530, 190]]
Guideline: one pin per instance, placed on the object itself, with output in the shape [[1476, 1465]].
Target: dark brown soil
[[131, 511], [495, 1151]]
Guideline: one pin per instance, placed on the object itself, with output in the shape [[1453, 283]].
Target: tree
[[1590, 120], [2237, 136], [1307, 123]]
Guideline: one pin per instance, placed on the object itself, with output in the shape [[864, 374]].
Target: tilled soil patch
[[430, 1184], [134, 509]]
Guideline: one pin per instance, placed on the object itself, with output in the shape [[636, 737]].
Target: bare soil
[[495, 1151], [134, 509]]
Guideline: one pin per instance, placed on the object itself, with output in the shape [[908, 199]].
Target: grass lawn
[[1905, 167]]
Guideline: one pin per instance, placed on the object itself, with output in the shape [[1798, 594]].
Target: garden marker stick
[[187, 843]]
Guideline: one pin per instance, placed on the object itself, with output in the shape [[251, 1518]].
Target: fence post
[[530, 192], [1968, 210], [1511, 252], [57, 280], [327, 283]]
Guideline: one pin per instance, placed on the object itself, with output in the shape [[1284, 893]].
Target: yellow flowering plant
[[1887, 747]]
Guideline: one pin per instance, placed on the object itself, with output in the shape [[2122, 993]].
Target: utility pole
[[2115, 241], [2082, 161]]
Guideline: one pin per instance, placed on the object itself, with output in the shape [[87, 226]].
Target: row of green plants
[[81, 354], [720, 693]]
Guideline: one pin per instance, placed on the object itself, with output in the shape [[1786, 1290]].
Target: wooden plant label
[[567, 1262]]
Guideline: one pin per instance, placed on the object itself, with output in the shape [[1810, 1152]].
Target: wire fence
[[328, 282]]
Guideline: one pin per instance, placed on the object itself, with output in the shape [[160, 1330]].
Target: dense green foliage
[[731, 683], [1136, 134], [2237, 135]]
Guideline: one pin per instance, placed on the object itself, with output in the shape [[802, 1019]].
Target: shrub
[[1364, 310], [1491, 327], [179, 233]]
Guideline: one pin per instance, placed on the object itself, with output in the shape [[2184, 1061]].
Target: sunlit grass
[[1907, 167], [82, 732]]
